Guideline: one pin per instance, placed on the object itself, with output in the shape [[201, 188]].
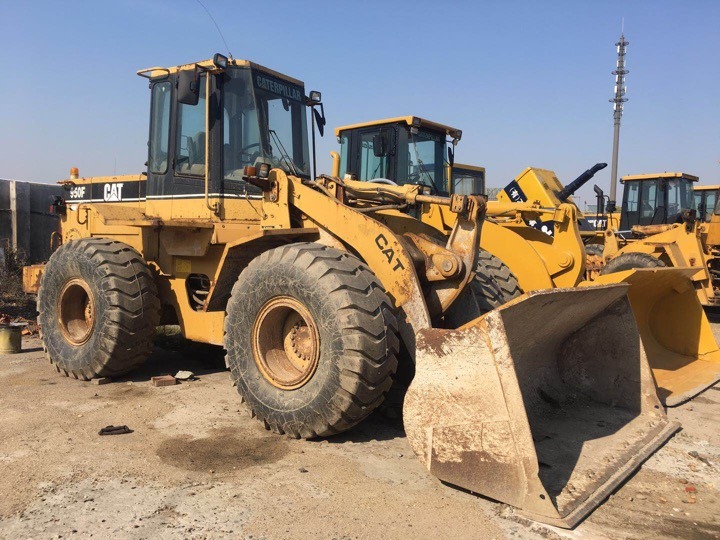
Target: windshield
[[426, 160], [679, 197], [264, 121], [467, 181]]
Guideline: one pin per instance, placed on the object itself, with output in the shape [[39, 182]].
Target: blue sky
[[527, 82]]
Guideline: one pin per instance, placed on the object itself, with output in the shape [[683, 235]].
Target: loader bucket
[[678, 340], [546, 403]]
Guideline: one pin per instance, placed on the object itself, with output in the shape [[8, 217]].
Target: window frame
[[152, 146], [186, 176]]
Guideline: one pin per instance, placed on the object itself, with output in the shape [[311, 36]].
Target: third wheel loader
[[533, 239], [312, 285]]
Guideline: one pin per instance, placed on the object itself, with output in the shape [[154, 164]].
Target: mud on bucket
[[546, 403]]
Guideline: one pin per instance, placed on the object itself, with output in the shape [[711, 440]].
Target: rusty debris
[[32, 328]]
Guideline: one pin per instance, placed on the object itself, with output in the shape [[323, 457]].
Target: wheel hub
[[76, 311], [286, 343]]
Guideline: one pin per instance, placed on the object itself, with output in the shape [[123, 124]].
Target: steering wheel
[[416, 178], [245, 151], [385, 181]]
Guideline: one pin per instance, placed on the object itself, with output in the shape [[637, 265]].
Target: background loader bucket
[[546, 403], [678, 340]]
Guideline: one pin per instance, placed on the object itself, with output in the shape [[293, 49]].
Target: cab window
[[652, 210], [190, 149], [159, 128], [466, 182], [426, 164], [344, 151], [679, 197], [710, 201], [371, 166], [633, 191]]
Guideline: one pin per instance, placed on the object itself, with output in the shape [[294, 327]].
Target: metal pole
[[617, 101], [314, 163]]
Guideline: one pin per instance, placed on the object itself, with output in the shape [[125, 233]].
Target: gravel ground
[[197, 466]]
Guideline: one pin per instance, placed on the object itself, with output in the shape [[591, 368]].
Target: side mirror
[[320, 119], [451, 156], [188, 87], [380, 145]]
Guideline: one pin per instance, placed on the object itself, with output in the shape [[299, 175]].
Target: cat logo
[[113, 192], [382, 242]]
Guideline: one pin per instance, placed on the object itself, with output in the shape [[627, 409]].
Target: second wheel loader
[[546, 403], [533, 239]]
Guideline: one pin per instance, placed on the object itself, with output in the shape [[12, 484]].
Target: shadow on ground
[[173, 354]]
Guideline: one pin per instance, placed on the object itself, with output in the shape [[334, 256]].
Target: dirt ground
[[197, 466]]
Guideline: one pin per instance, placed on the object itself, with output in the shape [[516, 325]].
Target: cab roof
[[713, 187], [466, 167], [160, 72], [413, 121], [651, 176]]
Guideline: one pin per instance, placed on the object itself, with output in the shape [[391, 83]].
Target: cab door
[[372, 153], [176, 166]]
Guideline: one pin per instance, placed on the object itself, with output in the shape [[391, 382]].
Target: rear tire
[[98, 308], [494, 285], [631, 261], [311, 340]]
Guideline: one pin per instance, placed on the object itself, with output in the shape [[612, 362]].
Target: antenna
[[617, 102], [230, 56]]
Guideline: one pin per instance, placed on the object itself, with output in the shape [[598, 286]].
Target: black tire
[[494, 285], [124, 309], [631, 261], [356, 331]]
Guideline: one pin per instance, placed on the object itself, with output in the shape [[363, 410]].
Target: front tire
[[631, 261], [311, 340], [98, 308], [494, 285]]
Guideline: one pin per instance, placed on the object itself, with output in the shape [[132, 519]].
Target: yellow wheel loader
[[683, 352], [659, 227], [313, 286], [708, 208], [533, 239]]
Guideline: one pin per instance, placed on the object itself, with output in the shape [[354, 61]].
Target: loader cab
[[657, 199], [467, 179], [209, 120], [706, 198], [403, 150]]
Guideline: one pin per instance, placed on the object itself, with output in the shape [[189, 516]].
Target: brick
[[102, 380], [164, 380]]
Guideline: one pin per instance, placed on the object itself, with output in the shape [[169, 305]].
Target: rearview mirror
[[320, 120], [188, 87], [451, 156]]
